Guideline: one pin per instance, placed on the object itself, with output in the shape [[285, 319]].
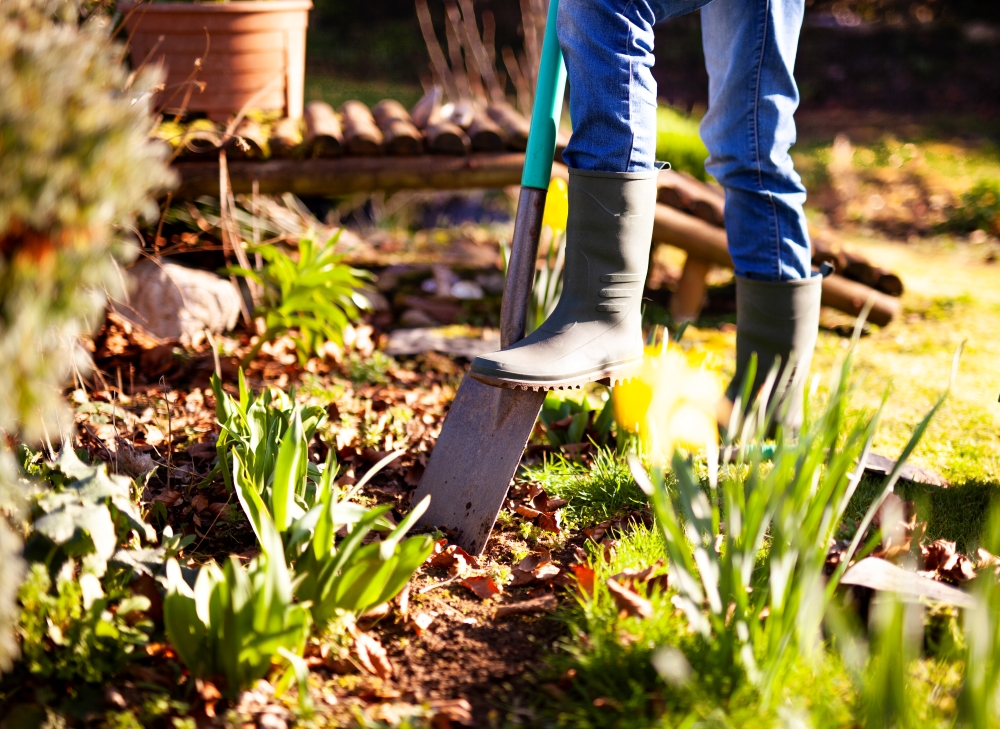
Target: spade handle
[[546, 110]]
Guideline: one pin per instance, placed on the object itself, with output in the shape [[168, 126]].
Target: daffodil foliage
[[313, 295], [747, 550]]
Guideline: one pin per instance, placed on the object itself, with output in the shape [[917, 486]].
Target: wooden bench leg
[[686, 303]]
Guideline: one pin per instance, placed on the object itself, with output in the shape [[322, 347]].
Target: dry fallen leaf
[[544, 604], [943, 561], [420, 622], [548, 522], [168, 498], [451, 710], [536, 567], [403, 601], [371, 655], [482, 585], [584, 575], [527, 513], [210, 695], [455, 559], [632, 577], [630, 603]]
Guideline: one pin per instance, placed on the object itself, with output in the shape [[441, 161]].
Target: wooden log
[[401, 136], [324, 137], [855, 267], [708, 243], [862, 271], [428, 108], [286, 139], [687, 301], [682, 191], [514, 125], [443, 137], [485, 134], [248, 142], [362, 136]]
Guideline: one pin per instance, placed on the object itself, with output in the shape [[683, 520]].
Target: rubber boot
[[777, 319], [594, 333]]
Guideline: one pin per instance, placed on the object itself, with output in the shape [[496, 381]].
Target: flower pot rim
[[213, 6]]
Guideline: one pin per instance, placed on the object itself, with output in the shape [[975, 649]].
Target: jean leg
[[608, 48], [750, 48]]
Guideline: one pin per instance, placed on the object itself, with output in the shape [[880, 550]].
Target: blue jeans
[[750, 50]]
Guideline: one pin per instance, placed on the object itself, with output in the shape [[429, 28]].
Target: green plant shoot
[[314, 295]]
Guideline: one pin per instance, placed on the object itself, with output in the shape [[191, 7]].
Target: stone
[[174, 303], [447, 340]]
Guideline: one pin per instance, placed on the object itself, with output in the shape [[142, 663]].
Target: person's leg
[[594, 332], [608, 49], [750, 48]]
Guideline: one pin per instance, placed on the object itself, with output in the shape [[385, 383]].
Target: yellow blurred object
[[556, 206], [671, 403]]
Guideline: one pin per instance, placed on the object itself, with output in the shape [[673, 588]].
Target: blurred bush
[[679, 143], [76, 168], [979, 209]]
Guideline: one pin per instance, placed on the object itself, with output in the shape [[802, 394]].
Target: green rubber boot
[[777, 319], [595, 331]]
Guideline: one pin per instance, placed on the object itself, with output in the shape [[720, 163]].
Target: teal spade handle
[[547, 108]]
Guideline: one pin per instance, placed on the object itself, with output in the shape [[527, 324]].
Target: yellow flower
[[670, 404], [556, 206]]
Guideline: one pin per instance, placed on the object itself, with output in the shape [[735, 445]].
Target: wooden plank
[[348, 175]]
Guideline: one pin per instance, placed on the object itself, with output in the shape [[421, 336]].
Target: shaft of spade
[[521, 266]]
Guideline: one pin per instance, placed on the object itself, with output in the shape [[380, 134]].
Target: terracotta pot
[[252, 53]]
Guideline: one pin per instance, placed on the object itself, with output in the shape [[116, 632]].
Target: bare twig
[[438, 62], [212, 525], [519, 81], [532, 47], [458, 69], [170, 431], [163, 215], [229, 237], [480, 56]]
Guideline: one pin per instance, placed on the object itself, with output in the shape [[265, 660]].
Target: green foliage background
[[76, 169]]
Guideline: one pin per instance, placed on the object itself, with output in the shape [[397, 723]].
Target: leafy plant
[[372, 370], [252, 428], [72, 634], [81, 512], [567, 420], [77, 167], [979, 209], [235, 622], [978, 703], [314, 295], [769, 559], [333, 577]]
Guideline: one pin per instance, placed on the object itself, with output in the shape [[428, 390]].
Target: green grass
[[951, 296], [336, 90], [614, 682], [679, 143], [595, 493]]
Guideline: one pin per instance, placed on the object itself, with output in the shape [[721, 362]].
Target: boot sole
[[608, 376]]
